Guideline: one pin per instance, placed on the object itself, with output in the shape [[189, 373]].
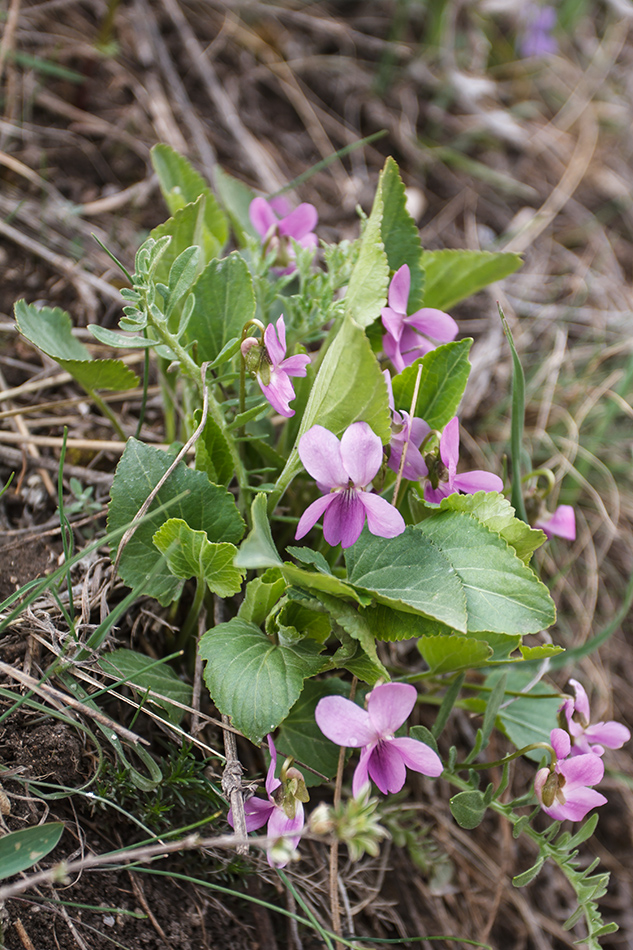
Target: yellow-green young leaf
[[253, 680], [453, 275], [502, 593], [539, 653], [189, 553], [315, 582], [22, 849], [399, 232], [160, 679], [224, 302], [186, 229], [496, 512], [349, 388], [367, 290], [445, 372], [258, 548], [261, 595], [448, 654], [188, 495], [50, 330], [181, 184]]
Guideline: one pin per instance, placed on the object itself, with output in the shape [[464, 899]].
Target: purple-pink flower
[[384, 758], [272, 370], [585, 738], [448, 481], [535, 38], [407, 337], [344, 471], [409, 432], [565, 791], [276, 226], [562, 523], [259, 811]]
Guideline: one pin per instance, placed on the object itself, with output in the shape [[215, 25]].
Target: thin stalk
[[334, 901], [105, 409], [462, 766], [403, 457], [191, 622]]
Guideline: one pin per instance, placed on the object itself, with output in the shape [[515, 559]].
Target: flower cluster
[[268, 362], [278, 226], [565, 788]]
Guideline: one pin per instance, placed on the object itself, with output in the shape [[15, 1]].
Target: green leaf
[[123, 341], [521, 880], [468, 808], [300, 736], [308, 556], [225, 301], [186, 228], [442, 384], [236, 198], [320, 583], [160, 679], [295, 615], [452, 275], [189, 553], [253, 680], [181, 184], [528, 718], [517, 447], [258, 548], [496, 512], [410, 574], [349, 388], [367, 290], [422, 734], [50, 329], [502, 594], [399, 232], [262, 593], [203, 506], [539, 653], [22, 849], [447, 654], [386, 623], [213, 455], [354, 624]]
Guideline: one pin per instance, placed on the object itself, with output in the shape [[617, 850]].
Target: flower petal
[[312, 514], [361, 453], [560, 743], [275, 341], [413, 345], [361, 774], [581, 770], [344, 723], [449, 447], [295, 365], [320, 453], [280, 825], [418, 756], [383, 519], [299, 222], [393, 322], [389, 705], [256, 812], [472, 482], [434, 323], [399, 290], [562, 523], [577, 803], [344, 518], [271, 782], [386, 767], [611, 734], [279, 392], [435, 495], [391, 350], [262, 216]]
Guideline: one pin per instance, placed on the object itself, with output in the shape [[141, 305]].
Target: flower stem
[[462, 766], [403, 457], [334, 901]]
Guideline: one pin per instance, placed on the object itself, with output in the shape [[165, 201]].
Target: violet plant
[[292, 414]]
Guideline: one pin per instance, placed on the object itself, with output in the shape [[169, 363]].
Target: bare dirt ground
[[532, 156]]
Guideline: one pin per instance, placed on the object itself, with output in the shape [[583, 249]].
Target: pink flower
[[344, 470], [574, 716], [258, 812], [403, 342], [535, 37], [565, 791], [409, 432], [448, 481], [271, 370], [276, 226], [562, 523], [384, 758]]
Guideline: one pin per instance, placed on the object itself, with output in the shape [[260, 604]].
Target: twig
[[403, 457], [334, 889]]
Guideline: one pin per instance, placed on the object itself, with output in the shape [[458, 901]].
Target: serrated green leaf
[[261, 595], [300, 736], [316, 582], [213, 455], [181, 184], [189, 553], [204, 507], [225, 301], [410, 574], [399, 232], [306, 621], [386, 623], [349, 388], [367, 290], [22, 849], [495, 511], [258, 548], [502, 594], [253, 680], [236, 198], [101, 374], [446, 654], [161, 679], [453, 275], [540, 652], [354, 624], [468, 808], [186, 228], [442, 384]]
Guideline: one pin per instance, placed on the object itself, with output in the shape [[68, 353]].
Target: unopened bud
[[321, 821]]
